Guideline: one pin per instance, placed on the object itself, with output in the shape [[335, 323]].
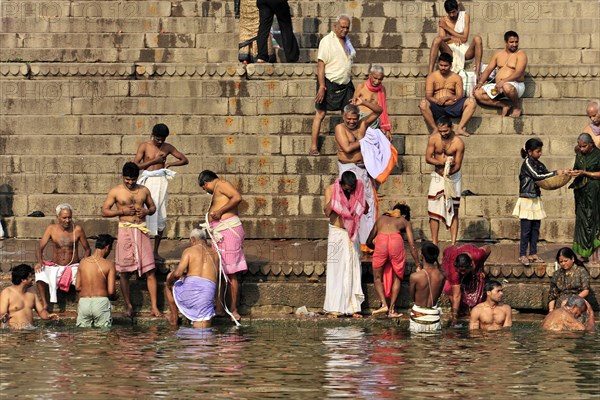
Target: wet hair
[[160, 130], [430, 252], [491, 285], [445, 57], [198, 233], [444, 120], [530, 145], [510, 34], [104, 240], [341, 17], [63, 206], [131, 170], [576, 301], [206, 176], [404, 210], [566, 252], [463, 260], [585, 137], [351, 109], [348, 178], [450, 5], [20, 273], [377, 69]]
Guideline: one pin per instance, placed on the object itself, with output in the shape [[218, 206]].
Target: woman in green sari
[[586, 185]]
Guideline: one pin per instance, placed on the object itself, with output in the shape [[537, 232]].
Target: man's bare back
[[561, 320], [420, 286], [223, 193], [96, 277], [201, 261]]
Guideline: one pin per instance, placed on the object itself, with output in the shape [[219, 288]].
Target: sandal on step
[[314, 153], [535, 259], [524, 260]]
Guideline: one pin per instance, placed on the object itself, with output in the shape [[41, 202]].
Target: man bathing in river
[[133, 203], [567, 317], [492, 314]]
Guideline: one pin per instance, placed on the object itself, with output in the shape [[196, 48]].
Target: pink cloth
[[231, 248], [134, 251], [384, 119], [350, 210], [389, 253], [471, 285], [64, 283]]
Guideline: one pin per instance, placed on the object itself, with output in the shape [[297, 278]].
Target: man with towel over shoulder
[[192, 286]]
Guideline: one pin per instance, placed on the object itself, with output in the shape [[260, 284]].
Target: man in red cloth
[[372, 90]]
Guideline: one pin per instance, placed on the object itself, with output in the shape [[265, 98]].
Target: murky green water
[[298, 359]]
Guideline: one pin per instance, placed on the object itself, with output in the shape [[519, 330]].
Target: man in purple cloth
[[194, 294]]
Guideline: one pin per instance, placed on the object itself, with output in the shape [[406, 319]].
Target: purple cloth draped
[[195, 297]]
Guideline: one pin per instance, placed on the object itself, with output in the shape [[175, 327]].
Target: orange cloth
[[390, 255]]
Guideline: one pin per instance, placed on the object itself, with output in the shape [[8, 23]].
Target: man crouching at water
[[491, 315], [194, 294], [16, 303], [567, 317], [96, 284]]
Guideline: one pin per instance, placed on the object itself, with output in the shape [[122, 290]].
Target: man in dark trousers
[[280, 8]]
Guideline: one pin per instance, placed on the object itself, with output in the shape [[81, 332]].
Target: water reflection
[[273, 360]]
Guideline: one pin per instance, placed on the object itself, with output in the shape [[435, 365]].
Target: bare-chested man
[[426, 286], [16, 303], [445, 152], [133, 203], [510, 78], [345, 203], [444, 96], [191, 288], [453, 38], [66, 237], [347, 137], [373, 91], [152, 156], [389, 257], [227, 233], [566, 318], [492, 314], [593, 112], [96, 286]]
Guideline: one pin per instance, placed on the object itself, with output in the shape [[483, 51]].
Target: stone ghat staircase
[[83, 82]]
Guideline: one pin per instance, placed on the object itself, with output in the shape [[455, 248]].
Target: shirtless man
[[510, 78], [66, 237], [343, 290], [196, 273], [444, 96], [347, 137], [16, 303], [453, 37], [373, 91], [132, 203], [491, 315], [445, 152], [96, 286], [566, 318], [426, 286], [227, 233], [593, 111], [389, 258], [152, 156]]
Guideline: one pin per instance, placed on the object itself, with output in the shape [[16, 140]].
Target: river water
[[304, 359]]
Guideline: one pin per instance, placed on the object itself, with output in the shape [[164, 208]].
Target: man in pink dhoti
[[134, 249], [227, 234], [389, 258], [345, 204], [61, 271]]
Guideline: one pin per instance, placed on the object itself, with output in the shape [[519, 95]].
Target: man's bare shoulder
[[587, 129], [360, 87]]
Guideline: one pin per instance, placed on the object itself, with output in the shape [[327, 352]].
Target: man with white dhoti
[[453, 38], [152, 156], [344, 205], [445, 152], [348, 137]]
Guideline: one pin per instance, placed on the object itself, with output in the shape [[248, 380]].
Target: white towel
[[459, 26], [157, 182], [376, 151]]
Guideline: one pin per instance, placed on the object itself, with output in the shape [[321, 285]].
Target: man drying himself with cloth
[[227, 233], [16, 303], [426, 286], [192, 286], [96, 285], [61, 272], [134, 250], [389, 258], [344, 205], [445, 152], [152, 156]]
